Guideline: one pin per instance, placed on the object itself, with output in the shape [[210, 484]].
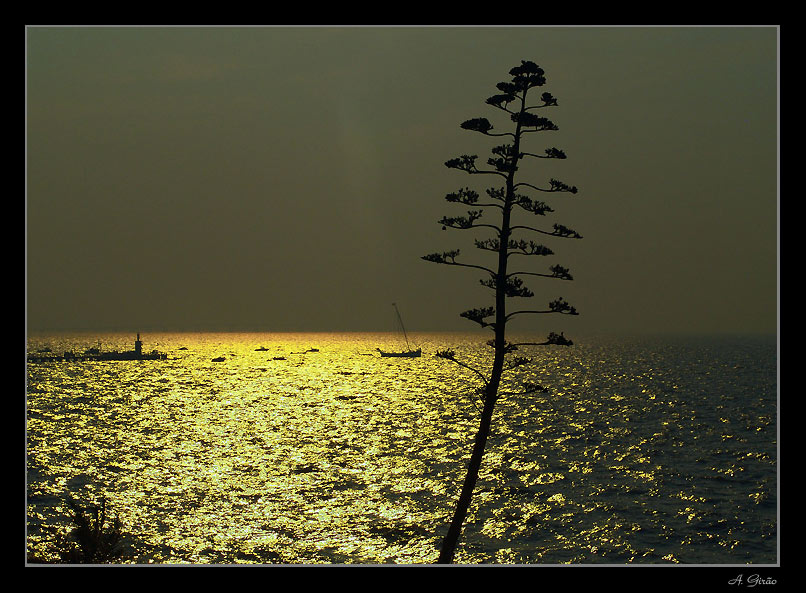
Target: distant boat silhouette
[[219, 359], [95, 354], [408, 353]]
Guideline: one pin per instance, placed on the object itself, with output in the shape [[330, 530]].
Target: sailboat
[[408, 353]]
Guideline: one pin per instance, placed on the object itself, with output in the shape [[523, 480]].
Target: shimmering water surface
[[644, 450]]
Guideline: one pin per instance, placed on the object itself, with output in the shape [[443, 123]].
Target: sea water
[[312, 449]]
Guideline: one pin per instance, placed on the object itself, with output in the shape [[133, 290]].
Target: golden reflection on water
[[275, 455], [283, 454]]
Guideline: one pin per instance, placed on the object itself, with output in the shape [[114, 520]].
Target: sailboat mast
[[400, 319]]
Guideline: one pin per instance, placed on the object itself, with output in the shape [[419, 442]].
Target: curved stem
[[456, 263], [534, 312], [528, 228], [470, 368], [498, 135], [492, 226], [479, 443], [534, 187], [539, 130], [535, 274]]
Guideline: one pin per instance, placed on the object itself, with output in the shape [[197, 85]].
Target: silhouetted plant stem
[[479, 444], [491, 392], [506, 285]]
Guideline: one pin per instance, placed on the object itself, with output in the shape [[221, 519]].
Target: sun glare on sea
[[313, 448]]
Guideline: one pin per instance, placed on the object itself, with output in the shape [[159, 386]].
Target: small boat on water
[[97, 355], [408, 352], [218, 359]]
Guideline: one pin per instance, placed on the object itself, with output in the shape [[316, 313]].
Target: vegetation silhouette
[[504, 164], [93, 540]]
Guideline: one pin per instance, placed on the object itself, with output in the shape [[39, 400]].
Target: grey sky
[[290, 178]]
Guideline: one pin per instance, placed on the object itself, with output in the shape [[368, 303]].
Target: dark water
[[643, 451]]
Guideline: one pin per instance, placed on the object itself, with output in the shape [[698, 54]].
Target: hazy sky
[[290, 178]]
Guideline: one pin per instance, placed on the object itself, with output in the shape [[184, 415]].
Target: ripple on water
[[640, 452]]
